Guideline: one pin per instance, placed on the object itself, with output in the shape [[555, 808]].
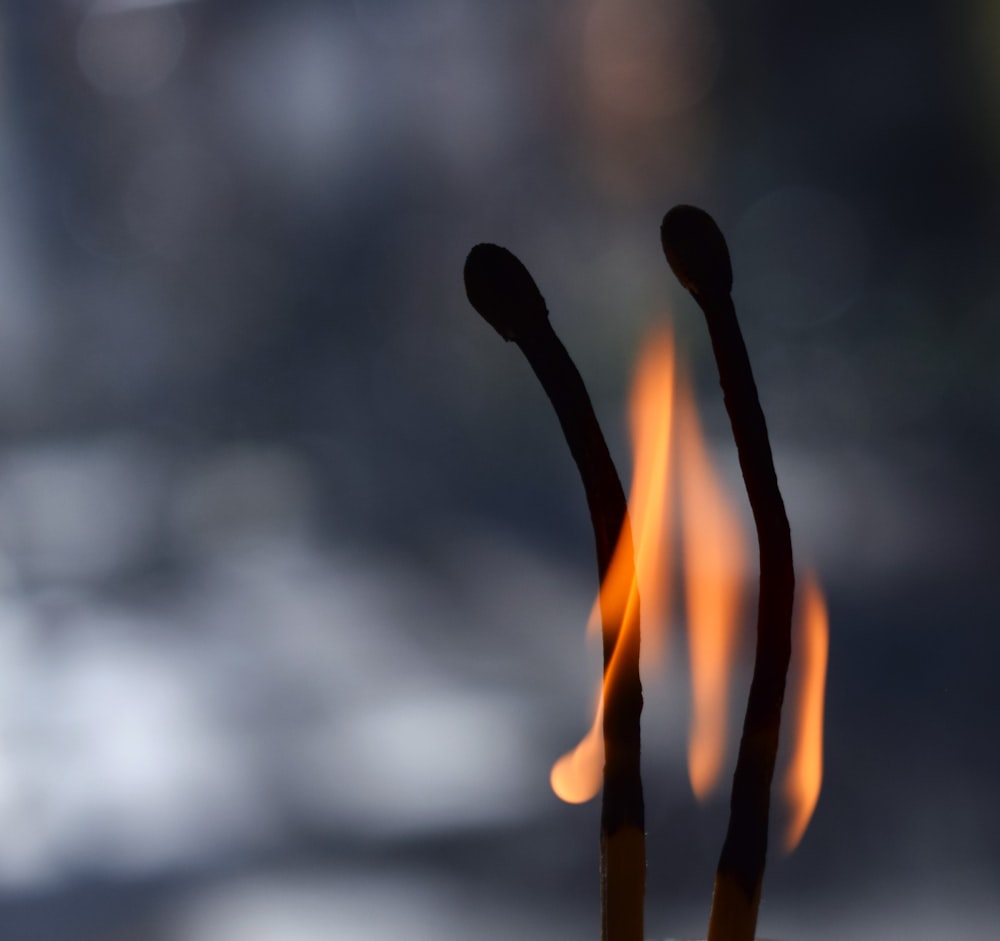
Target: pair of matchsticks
[[500, 288]]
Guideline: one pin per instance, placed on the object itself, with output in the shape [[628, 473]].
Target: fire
[[715, 563], [804, 776], [668, 443], [576, 777], [651, 416]]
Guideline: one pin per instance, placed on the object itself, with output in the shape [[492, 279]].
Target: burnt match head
[[696, 251], [505, 295]]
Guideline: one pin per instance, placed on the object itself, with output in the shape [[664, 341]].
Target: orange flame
[[651, 415], [576, 777], [804, 776], [715, 561], [715, 566]]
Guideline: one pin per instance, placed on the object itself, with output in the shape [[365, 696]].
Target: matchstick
[[696, 251], [500, 288]]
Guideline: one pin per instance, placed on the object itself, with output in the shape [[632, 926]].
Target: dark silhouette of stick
[[697, 253], [504, 293]]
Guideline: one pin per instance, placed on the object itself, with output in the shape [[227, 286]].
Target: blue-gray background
[[294, 564]]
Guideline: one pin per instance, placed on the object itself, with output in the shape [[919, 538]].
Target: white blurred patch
[[108, 757], [280, 683], [240, 496], [25, 853], [128, 51], [307, 906], [149, 777], [79, 512], [432, 760], [316, 909], [376, 736]]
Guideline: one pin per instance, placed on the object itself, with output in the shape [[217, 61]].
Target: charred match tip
[[696, 251], [503, 292]]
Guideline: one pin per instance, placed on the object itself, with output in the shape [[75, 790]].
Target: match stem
[[503, 292], [697, 253]]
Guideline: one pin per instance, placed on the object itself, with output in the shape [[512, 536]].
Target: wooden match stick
[[500, 288], [697, 253]]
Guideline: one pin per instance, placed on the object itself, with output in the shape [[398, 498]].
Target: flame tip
[[804, 777]]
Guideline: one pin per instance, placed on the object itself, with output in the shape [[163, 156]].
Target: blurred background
[[294, 563]]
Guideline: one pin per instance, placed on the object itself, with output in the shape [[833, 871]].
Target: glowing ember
[[715, 563], [805, 772]]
